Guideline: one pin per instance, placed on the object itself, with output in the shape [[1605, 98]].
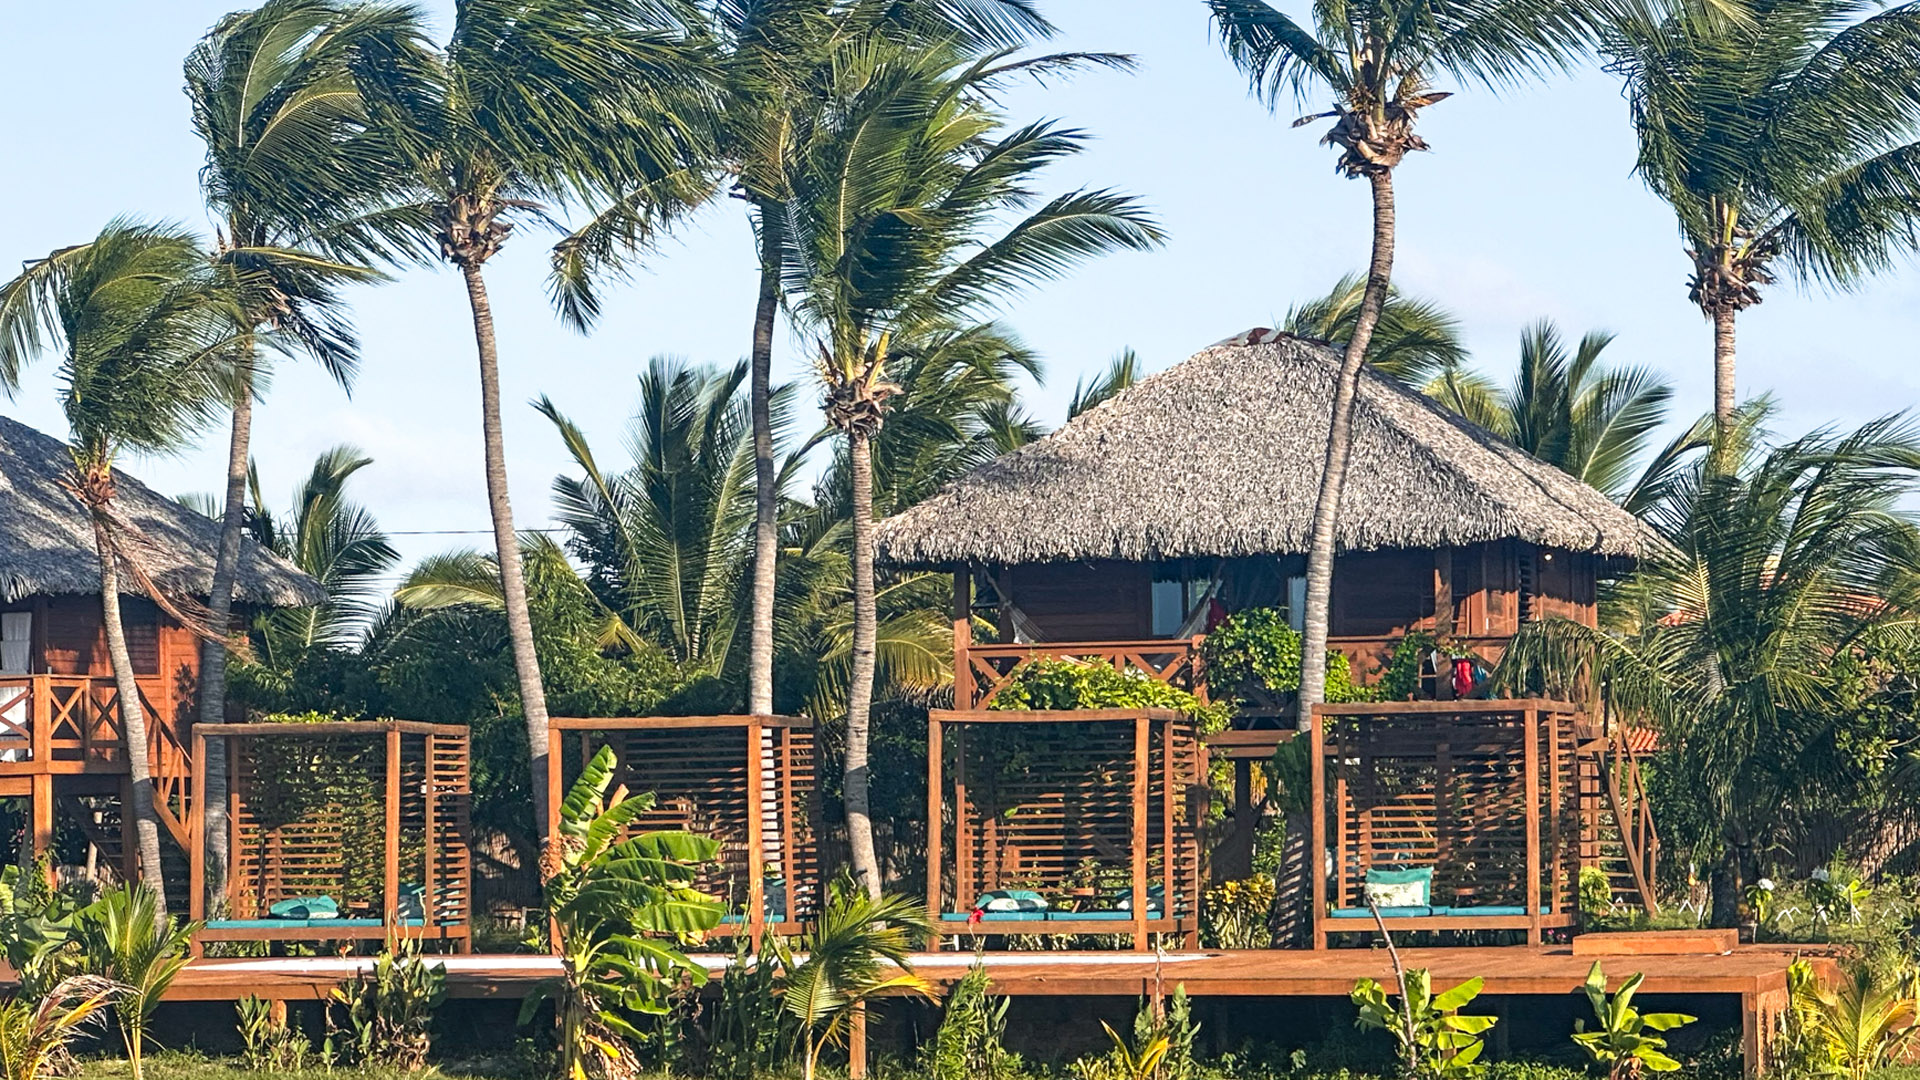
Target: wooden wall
[[1484, 590], [69, 638]]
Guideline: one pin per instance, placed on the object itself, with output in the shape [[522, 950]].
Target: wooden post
[[1142, 737], [1169, 854], [934, 833], [963, 880], [790, 809], [555, 794], [40, 748], [1555, 856], [1317, 815], [857, 1043], [1530, 742], [1443, 592], [43, 814], [963, 697], [392, 913], [430, 871], [756, 841], [197, 836]]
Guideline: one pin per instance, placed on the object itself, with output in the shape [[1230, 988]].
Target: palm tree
[[887, 237], [338, 543], [532, 104], [860, 951], [775, 58], [146, 331], [1414, 340], [1378, 59], [296, 184], [1782, 141], [1122, 372], [668, 541], [1574, 412], [1778, 565]]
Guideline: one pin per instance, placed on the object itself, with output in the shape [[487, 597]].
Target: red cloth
[[1462, 677], [1216, 613]]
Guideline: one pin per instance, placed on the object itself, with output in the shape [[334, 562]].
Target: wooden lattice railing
[[982, 671], [72, 724]]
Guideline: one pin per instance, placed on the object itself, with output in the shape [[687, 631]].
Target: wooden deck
[[1756, 975]]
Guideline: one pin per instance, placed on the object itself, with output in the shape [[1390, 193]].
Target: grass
[[175, 1065]]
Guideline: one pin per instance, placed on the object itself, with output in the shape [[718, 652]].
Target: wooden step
[[1656, 943]]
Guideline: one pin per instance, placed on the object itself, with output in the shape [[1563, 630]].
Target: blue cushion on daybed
[[1098, 916], [305, 907], [995, 916], [1496, 909]]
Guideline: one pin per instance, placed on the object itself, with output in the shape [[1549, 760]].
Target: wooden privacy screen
[[746, 781], [1091, 809], [1484, 795], [370, 815]]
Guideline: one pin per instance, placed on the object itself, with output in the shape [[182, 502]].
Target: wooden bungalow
[[60, 742], [1130, 532]]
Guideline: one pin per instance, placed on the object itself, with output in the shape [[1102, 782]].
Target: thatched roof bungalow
[[1192, 493], [50, 577]]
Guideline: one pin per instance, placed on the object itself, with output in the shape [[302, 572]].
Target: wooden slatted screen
[[1045, 802], [700, 771], [309, 819]]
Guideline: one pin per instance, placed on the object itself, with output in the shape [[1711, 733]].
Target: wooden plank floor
[[1749, 970]]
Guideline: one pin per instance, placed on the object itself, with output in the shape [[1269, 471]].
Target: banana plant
[[1620, 1040], [618, 905], [1434, 1040], [35, 1033]]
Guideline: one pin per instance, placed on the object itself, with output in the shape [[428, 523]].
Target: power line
[[461, 532]]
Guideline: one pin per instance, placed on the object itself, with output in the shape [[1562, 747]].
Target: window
[[1297, 604], [16, 632], [1169, 607]]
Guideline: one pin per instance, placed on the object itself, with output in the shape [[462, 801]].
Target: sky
[[1526, 208]]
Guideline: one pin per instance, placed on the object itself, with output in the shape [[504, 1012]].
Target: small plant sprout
[[1621, 1039]]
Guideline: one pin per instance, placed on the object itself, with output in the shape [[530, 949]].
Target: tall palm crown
[[1377, 59], [892, 231], [147, 331], [1415, 340], [532, 106], [336, 541], [1783, 140]]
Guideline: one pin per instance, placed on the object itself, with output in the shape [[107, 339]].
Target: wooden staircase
[[1619, 835]]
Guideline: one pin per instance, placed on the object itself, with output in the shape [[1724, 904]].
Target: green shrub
[[1256, 648], [1234, 914], [271, 1045], [969, 1044], [388, 1011]]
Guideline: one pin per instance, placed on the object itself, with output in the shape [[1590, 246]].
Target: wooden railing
[[64, 724], [982, 671]]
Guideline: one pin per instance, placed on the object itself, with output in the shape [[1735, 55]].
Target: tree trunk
[[766, 537], [506, 545], [866, 864], [1313, 645], [1723, 883], [1723, 357], [213, 654], [133, 720]]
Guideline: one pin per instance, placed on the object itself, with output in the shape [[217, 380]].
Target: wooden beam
[[1317, 843], [756, 839], [962, 637], [391, 903], [1530, 743], [197, 836], [935, 799], [1142, 749]]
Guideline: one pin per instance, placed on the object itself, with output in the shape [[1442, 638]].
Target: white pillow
[[1410, 894]]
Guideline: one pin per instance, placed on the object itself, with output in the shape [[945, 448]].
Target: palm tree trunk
[[766, 537], [506, 545], [133, 720], [1723, 357], [213, 654], [1313, 657], [866, 864]]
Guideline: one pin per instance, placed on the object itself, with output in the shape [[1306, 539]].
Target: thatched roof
[[1222, 455], [46, 540]]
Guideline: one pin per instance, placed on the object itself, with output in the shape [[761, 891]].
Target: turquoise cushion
[[249, 924], [1497, 909], [1010, 900], [1385, 912], [305, 907], [1098, 916]]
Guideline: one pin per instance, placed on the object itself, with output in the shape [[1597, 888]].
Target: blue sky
[[1526, 208]]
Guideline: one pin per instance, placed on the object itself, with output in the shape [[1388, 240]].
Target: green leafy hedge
[[1064, 683]]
